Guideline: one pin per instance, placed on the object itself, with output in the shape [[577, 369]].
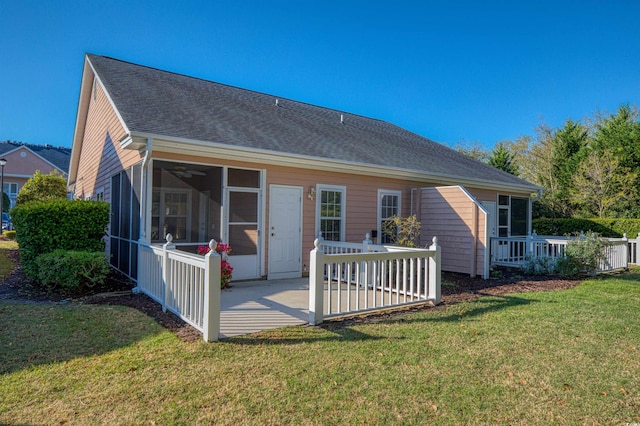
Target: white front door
[[491, 217], [285, 232]]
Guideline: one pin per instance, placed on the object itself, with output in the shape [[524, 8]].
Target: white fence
[[184, 283], [514, 251], [350, 278]]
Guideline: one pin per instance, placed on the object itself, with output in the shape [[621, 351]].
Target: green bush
[[610, 228], [583, 255], [10, 235], [45, 226], [539, 266], [72, 271]]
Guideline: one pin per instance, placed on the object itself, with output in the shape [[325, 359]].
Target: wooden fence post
[[316, 284], [166, 269], [435, 275], [211, 311]]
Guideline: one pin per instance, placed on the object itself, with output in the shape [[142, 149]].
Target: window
[[513, 216], [388, 206], [11, 189], [330, 212], [169, 214], [100, 194]]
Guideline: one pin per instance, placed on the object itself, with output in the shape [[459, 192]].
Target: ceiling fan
[[182, 171]]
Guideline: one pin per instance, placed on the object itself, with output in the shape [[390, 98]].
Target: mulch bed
[[117, 291]]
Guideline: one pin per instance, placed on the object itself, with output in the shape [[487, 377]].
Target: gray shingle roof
[[58, 156], [164, 103]]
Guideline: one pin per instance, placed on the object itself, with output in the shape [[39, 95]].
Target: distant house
[[200, 160], [24, 159]]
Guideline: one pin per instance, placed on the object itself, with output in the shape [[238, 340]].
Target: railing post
[[625, 250], [366, 242], [166, 269], [435, 275], [211, 311], [316, 284]]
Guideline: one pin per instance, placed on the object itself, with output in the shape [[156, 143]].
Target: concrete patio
[[251, 306]]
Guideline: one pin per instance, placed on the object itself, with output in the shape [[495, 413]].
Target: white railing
[[184, 283], [371, 278], [515, 251]]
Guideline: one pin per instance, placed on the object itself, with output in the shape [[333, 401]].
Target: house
[[24, 159], [200, 160]]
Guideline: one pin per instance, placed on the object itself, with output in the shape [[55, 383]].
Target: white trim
[[467, 193], [256, 155], [343, 208], [106, 93], [381, 193]]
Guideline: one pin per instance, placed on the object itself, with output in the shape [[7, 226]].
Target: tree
[[474, 150], [502, 158], [43, 188], [556, 157], [600, 182]]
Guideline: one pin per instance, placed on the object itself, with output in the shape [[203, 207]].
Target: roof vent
[[341, 118], [277, 104]]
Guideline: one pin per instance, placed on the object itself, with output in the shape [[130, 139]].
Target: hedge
[[611, 228], [72, 271], [44, 226]]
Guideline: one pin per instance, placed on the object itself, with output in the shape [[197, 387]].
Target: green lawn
[[567, 357], [6, 265]]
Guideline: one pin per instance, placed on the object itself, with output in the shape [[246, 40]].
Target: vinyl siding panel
[[459, 224]]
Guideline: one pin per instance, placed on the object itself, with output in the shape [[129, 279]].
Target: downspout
[[144, 191]]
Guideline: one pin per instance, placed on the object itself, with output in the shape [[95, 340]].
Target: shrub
[[43, 227], [583, 255], [72, 271], [540, 266], [43, 188], [10, 235], [404, 232]]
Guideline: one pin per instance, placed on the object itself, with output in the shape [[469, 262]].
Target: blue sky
[[455, 71]]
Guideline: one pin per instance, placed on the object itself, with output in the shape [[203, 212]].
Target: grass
[[566, 357], [6, 265]]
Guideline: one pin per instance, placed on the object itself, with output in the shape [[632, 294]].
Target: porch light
[[312, 192]]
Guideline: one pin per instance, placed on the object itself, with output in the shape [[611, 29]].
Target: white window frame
[[382, 193], [508, 209], [343, 208], [100, 194]]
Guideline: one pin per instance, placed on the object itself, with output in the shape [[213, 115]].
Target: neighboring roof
[[58, 156], [152, 101]]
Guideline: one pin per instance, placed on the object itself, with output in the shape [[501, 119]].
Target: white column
[[211, 321], [166, 269], [316, 284], [435, 275]]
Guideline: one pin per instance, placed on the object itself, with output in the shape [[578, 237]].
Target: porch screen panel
[[243, 223], [125, 220]]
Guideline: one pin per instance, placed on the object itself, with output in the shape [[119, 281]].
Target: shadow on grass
[[39, 334], [344, 332]]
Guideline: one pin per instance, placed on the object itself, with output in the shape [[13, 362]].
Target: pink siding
[[459, 224], [101, 156], [361, 200]]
